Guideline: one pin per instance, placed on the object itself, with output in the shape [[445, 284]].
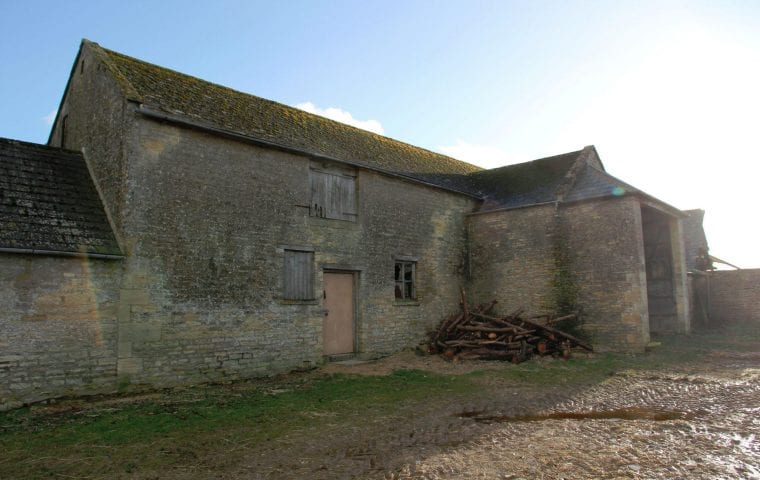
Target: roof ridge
[[103, 53], [531, 161], [571, 177], [134, 91]]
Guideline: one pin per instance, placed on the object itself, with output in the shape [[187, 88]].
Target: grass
[[179, 427], [254, 416]]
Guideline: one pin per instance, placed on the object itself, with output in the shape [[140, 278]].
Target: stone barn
[[174, 231]]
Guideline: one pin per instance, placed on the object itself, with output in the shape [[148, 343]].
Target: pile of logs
[[474, 333]]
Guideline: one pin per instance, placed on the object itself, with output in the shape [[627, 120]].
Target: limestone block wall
[[608, 264], [94, 113], [539, 257], [511, 258], [57, 327], [734, 296], [202, 293]]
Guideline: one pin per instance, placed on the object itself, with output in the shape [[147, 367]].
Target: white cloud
[[485, 156], [340, 115], [50, 117]]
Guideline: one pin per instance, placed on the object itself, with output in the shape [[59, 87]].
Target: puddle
[[634, 413]]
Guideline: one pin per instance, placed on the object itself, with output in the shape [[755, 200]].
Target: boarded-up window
[[299, 275], [333, 195], [405, 280]]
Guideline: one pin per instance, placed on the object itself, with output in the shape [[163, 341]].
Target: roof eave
[[61, 253], [651, 201], [66, 90], [189, 122]]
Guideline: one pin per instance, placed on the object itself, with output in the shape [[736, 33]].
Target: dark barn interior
[[658, 251]]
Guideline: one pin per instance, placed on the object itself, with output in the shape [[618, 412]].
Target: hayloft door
[[339, 313]]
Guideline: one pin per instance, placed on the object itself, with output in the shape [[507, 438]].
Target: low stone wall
[[734, 296]]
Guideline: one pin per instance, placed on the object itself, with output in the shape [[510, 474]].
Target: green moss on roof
[[263, 119]]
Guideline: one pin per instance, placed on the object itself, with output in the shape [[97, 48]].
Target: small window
[[333, 195], [299, 275], [405, 280]]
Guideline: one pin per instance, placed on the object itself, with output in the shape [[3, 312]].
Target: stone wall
[[539, 258], [201, 298], [95, 113], [57, 327], [734, 296]]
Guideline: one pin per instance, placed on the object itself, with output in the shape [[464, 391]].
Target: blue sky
[[667, 91]]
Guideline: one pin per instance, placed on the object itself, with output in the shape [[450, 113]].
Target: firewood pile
[[475, 333]]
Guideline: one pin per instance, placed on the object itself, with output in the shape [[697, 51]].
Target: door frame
[[355, 303]]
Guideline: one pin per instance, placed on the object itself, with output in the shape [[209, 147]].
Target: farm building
[[175, 231]]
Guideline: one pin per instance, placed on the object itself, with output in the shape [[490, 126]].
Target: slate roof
[[569, 177], [160, 89], [523, 184], [48, 202], [594, 183], [265, 120]]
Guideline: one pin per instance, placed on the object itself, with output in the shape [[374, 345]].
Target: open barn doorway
[[660, 234]]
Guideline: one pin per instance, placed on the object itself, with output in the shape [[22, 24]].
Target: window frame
[[401, 267]]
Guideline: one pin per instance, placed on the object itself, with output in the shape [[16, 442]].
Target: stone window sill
[[283, 301], [407, 303]]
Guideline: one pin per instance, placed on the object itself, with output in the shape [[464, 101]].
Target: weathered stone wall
[[201, 298], [734, 296], [538, 257], [511, 258], [57, 327], [95, 116]]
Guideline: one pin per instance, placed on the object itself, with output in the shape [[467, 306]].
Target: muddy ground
[[696, 419]]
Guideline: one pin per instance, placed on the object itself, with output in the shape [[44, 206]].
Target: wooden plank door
[[339, 313]]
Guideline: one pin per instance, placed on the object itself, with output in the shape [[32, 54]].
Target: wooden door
[[339, 313]]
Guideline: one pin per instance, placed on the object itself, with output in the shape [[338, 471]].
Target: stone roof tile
[[523, 184], [266, 120], [48, 202]]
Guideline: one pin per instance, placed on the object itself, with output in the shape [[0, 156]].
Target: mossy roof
[[48, 202], [266, 120], [223, 108]]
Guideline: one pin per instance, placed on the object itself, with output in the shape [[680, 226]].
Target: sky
[[667, 91]]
